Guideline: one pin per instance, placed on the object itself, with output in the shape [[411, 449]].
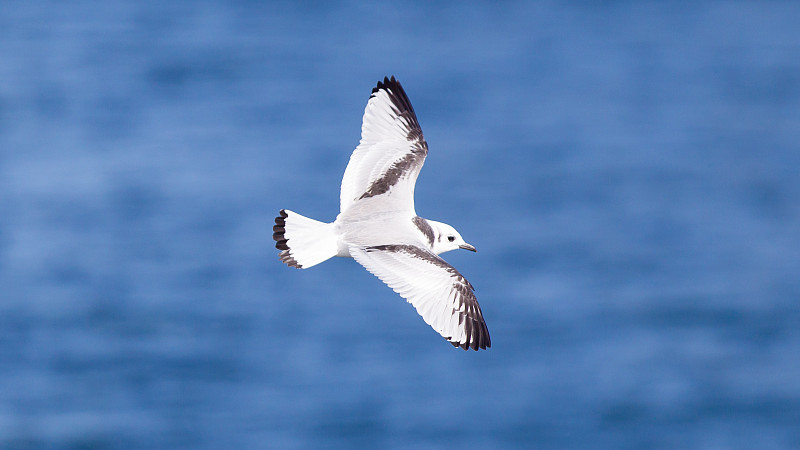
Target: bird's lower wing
[[441, 295]]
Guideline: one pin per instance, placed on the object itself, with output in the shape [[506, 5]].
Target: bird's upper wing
[[388, 159], [441, 295]]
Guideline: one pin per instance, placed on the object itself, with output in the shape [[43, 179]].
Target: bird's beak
[[466, 246]]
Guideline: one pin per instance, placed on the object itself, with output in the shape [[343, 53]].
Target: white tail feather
[[305, 242]]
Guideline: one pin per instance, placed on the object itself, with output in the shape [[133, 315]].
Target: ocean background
[[629, 172]]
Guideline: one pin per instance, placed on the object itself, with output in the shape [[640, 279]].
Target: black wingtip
[[477, 337], [387, 83], [396, 92], [399, 98]]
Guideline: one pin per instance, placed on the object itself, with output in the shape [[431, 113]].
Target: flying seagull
[[379, 228]]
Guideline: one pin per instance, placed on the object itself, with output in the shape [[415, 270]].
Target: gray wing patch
[[469, 312], [401, 106], [397, 171]]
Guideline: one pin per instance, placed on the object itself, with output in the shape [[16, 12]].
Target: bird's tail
[[305, 242]]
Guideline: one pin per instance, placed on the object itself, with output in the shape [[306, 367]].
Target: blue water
[[628, 172]]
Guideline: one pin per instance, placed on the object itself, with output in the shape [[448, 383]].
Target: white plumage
[[379, 227]]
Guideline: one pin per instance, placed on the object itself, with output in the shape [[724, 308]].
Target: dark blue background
[[628, 172]]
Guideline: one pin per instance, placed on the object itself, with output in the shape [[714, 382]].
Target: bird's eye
[[451, 238]]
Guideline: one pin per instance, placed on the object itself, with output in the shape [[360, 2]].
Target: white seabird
[[379, 228]]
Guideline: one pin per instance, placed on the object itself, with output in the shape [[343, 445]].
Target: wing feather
[[390, 154], [440, 294]]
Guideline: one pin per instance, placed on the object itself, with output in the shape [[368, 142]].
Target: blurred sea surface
[[627, 170]]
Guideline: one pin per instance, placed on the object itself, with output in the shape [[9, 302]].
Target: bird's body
[[379, 227]]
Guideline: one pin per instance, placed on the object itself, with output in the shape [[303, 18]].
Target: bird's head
[[446, 238]]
